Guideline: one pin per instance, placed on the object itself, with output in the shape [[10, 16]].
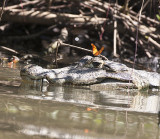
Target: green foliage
[[158, 16]]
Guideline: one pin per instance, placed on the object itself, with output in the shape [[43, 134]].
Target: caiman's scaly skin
[[92, 70]]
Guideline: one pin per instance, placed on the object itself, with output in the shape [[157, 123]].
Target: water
[[32, 112]]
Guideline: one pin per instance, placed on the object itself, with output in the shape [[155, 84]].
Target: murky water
[[30, 111]]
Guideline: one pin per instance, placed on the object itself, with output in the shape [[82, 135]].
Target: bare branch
[[40, 17]]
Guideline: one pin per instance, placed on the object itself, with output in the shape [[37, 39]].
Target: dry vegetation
[[125, 28]]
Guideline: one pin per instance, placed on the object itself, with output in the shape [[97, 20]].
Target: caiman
[[93, 70]]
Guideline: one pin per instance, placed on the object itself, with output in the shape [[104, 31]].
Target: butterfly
[[95, 51]]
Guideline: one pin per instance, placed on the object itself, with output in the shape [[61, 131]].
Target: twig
[[76, 47], [125, 9], [144, 17], [104, 24], [80, 48], [60, 6], [148, 54], [134, 5], [153, 42], [22, 4], [105, 5], [8, 49], [143, 7], [56, 55], [49, 4], [62, 38], [115, 34], [137, 29], [95, 8], [2, 10]]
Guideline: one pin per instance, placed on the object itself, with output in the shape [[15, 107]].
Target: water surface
[[32, 111]]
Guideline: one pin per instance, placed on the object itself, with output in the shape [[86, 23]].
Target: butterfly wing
[[100, 51], [94, 49]]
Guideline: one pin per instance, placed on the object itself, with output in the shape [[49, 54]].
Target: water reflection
[[126, 100], [53, 119], [32, 111]]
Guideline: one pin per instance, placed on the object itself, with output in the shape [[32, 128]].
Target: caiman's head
[[91, 62], [98, 62]]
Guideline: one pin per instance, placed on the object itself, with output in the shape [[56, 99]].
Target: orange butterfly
[[95, 51]]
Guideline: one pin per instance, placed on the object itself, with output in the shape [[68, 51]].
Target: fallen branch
[[153, 42], [40, 17], [22, 4], [3, 48]]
